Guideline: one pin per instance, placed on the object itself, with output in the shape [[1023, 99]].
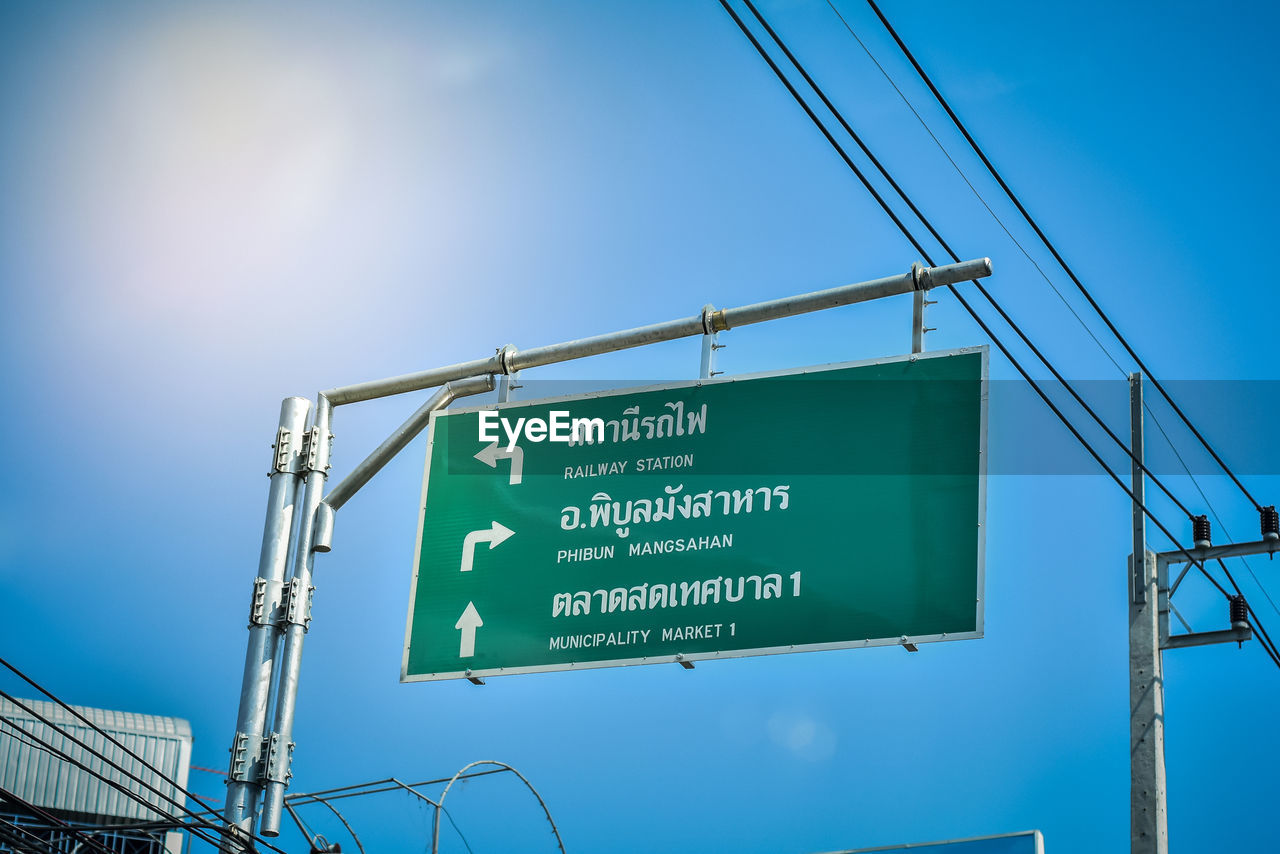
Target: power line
[[964, 303], [145, 764], [1014, 326], [1070, 308], [302, 826], [301, 798], [343, 819], [1056, 255], [954, 257], [8, 834], [986, 329], [456, 829], [398, 786], [125, 790], [5, 794], [1269, 646], [1209, 504], [1088, 331], [160, 774]]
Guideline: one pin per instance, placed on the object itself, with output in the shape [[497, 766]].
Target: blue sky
[[207, 207]]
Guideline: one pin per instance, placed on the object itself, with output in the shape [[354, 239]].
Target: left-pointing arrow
[[468, 623], [494, 536], [490, 454]]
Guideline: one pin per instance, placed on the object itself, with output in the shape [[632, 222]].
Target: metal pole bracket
[[284, 456], [507, 353], [316, 451], [297, 606], [260, 611], [245, 767], [1232, 635], [713, 323], [279, 759], [1139, 578], [920, 277], [713, 320]]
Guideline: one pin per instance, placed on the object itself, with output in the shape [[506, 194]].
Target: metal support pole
[[710, 343], [508, 378], [297, 616], [922, 279], [507, 383], [917, 322], [1148, 811], [245, 773], [709, 346]]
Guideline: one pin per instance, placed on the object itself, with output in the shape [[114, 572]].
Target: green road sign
[[824, 508]]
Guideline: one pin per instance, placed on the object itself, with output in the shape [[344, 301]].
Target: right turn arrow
[[493, 535], [468, 623]]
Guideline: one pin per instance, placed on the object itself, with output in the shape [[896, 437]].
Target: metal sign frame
[[300, 517], [682, 658]]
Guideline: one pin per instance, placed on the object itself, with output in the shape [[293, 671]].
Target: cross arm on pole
[[1207, 553]]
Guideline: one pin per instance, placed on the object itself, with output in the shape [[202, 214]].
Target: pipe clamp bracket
[[920, 277], [245, 767], [315, 451], [279, 759], [507, 353], [258, 604], [297, 607], [713, 320], [284, 456]]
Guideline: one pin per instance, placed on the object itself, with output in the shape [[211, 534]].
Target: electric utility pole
[[1150, 596]]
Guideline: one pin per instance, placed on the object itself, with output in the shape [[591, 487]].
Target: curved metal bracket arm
[[435, 842], [384, 453]]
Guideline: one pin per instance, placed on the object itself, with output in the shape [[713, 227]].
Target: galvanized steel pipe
[[295, 625], [930, 277], [255, 690], [403, 435], [413, 382], [510, 360]]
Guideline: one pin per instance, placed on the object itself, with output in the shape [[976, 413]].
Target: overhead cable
[[5, 794], [964, 303], [115, 784], [947, 248], [217, 828], [1058, 293], [1056, 255]]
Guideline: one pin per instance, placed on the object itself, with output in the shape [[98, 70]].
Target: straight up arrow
[[468, 623], [491, 454], [493, 536]]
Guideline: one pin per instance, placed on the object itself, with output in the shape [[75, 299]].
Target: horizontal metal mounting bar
[[1259, 547], [1204, 638], [413, 382], [509, 360]]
